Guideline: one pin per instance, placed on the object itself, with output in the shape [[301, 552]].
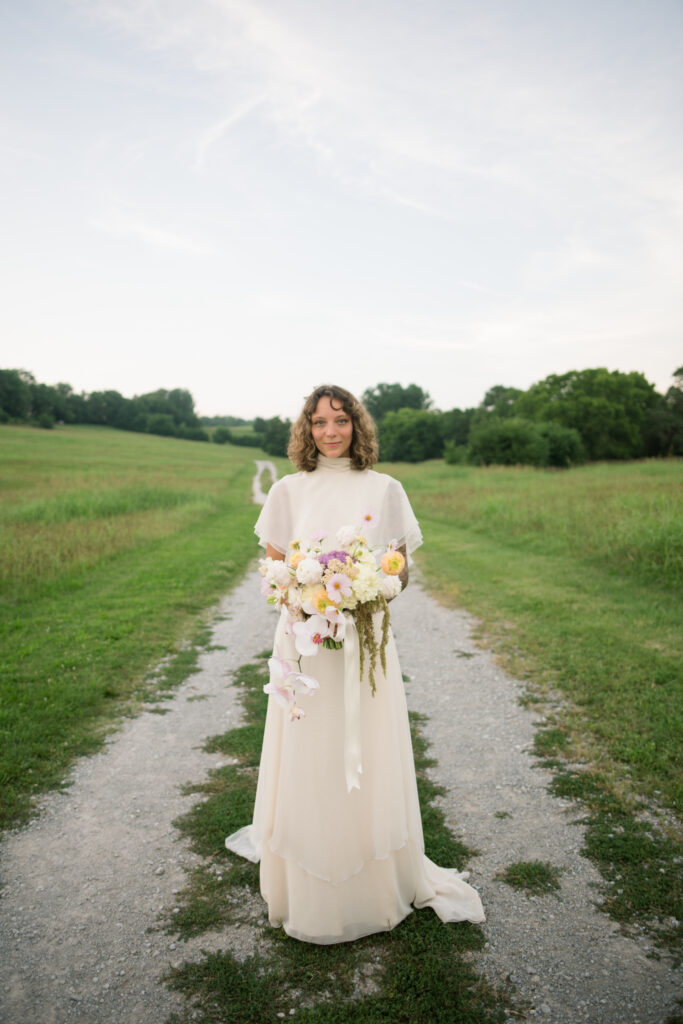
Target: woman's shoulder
[[384, 480]]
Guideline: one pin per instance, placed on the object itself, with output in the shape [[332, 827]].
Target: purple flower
[[329, 555]]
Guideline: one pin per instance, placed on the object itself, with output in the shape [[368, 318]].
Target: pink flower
[[339, 586], [369, 518]]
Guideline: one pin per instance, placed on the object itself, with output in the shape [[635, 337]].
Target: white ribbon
[[352, 744]]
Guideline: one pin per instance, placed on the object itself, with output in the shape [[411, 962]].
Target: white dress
[[336, 865]]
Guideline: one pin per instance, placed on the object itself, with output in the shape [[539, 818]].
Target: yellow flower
[[295, 558], [320, 600], [392, 563]]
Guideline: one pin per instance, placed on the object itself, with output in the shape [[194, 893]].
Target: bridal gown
[[338, 864]]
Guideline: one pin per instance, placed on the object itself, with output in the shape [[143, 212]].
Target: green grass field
[[577, 576], [112, 544]]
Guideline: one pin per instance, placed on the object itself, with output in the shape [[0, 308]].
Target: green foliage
[[608, 409], [500, 401], [246, 439], [508, 442], [410, 435], [565, 447], [664, 421], [221, 435], [385, 398], [504, 441], [167, 413], [15, 393], [276, 436], [456, 424], [455, 454]]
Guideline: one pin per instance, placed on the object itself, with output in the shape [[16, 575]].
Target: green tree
[[410, 435], [15, 394], [608, 409], [390, 397], [456, 425], [276, 436], [221, 435], [664, 421], [500, 401]]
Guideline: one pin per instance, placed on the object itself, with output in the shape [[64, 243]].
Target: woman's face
[[332, 428]]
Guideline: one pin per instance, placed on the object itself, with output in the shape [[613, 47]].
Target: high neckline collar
[[338, 464]]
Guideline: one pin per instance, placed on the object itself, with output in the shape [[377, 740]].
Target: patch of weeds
[[464, 654], [640, 863], [418, 973], [198, 696], [533, 876], [550, 742], [176, 668], [502, 814]]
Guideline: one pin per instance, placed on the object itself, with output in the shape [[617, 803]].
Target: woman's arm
[[403, 575], [272, 552]]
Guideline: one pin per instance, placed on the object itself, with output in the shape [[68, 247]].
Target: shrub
[[221, 435], [455, 454], [565, 447], [410, 435], [508, 442]]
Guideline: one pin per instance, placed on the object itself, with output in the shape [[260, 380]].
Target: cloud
[[215, 132], [119, 223]]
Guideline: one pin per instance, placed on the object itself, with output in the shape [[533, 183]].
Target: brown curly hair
[[364, 450]]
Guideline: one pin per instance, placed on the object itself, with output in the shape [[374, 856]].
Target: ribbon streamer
[[352, 743]]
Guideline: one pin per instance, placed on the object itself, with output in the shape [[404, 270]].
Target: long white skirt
[[338, 865]]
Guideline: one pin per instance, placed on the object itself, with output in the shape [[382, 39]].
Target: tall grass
[[577, 576], [620, 516]]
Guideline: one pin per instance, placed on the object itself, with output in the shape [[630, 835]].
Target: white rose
[[390, 586], [309, 571], [345, 536], [279, 573]]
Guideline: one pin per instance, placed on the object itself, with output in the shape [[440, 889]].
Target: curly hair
[[364, 450]]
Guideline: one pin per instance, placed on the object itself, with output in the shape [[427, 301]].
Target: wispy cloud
[[215, 132], [120, 223]]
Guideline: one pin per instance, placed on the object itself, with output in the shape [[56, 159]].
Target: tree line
[[565, 419]]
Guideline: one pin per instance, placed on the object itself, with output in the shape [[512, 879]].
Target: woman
[[337, 825]]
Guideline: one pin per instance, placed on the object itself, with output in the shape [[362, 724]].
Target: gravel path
[[83, 883]]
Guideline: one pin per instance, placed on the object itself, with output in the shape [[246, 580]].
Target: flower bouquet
[[326, 592]]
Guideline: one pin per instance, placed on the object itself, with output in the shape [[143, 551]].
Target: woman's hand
[[272, 552]]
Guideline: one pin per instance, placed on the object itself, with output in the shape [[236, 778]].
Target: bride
[[341, 851]]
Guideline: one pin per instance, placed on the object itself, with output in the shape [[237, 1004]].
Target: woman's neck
[[339, 464]]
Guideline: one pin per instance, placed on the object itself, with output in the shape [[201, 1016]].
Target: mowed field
[[113, 544]]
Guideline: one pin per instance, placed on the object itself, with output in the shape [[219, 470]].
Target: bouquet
[[323, 593]]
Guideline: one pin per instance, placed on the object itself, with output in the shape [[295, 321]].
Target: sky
[[248, 198]]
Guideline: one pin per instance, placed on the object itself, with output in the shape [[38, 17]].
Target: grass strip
[[533, 876], [419, 972]]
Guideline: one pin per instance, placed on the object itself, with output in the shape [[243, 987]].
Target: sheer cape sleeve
[[274, 525], [397, 519]]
